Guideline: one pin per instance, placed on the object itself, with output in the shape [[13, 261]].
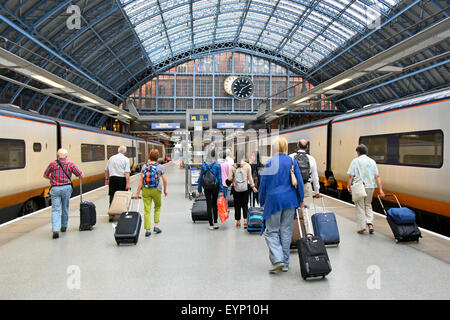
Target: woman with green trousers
[[153, 178]]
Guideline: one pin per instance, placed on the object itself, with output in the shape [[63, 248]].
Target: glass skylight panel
[[324, 29], [292, 6]]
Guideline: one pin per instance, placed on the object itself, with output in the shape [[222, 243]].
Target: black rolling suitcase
[[313, 256], [88, 213], [402, 232], [199, 209], [129, 226]]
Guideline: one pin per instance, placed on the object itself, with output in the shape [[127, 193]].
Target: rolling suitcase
[[255, 219], [129, 226], [313, 256], [120, 204], [88, 213], [403, 232], [325, 225], [199, 209]]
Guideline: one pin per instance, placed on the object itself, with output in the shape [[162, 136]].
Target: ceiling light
[[337, 84], [89, 99], [301, 100], [112, 110], [24, 71], [47, 81], [281, 109], [6, 63], [126, 116]]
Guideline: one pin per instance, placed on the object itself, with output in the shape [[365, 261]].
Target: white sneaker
[[211, 227], [216, 226]]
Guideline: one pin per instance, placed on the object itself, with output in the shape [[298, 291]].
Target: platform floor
[[188, 261]]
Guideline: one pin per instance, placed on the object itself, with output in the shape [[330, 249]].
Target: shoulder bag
[[293, 177], [358, 188]]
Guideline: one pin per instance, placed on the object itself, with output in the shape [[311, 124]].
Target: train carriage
[[29, 142]]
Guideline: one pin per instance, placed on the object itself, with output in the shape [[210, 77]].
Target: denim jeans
[[60, 205], [279, 235]]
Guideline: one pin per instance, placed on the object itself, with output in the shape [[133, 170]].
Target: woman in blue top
[[211, 172], [280, 200]]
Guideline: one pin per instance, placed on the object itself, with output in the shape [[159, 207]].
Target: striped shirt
[[57, 176]]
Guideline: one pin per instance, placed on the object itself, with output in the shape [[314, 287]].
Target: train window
[[37, 147], [111, 150], [12, 155], [131, 152], [378, 147], [292, 147], [141, 152], [420, 148], [92, 152]]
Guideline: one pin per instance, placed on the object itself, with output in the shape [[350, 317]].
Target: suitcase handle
[[388, 195], [298, 221], [323, 205], [131, 203], [81, 190]]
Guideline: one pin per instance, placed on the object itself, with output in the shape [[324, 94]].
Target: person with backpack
[[257, 169], [308, 169], [241, 177], [153, 178], [211, 181]]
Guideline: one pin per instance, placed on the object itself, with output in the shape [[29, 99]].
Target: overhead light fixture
[[301, 100], [281, 109], [337, 84], [6, 63], [126, 116], [112, 110], [89, 99], [47, 81], [24, 71]]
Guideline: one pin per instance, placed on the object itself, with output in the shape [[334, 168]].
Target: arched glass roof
[[305, 31]]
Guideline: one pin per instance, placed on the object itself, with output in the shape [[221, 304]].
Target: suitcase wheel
[[111, 219]]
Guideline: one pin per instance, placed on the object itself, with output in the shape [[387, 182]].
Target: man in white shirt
[[229, 158], [117, 173], [308, 168]]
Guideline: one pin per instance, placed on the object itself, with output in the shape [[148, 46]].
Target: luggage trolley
[[193, 174]]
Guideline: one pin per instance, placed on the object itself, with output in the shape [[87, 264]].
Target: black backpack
[[303, 165], [209, 182]]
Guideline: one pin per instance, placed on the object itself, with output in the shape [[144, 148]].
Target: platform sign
[[230, 125], [168, 126], [199, 117]]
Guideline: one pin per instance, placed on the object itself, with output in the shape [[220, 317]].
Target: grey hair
[[122, 149], [362, 149], [62, 153]]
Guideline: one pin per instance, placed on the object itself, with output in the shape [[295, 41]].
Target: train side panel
[[318, 144], [73, 138], [423, 182]]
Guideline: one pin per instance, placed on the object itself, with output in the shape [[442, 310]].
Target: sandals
[[363, 231], [371, 230]]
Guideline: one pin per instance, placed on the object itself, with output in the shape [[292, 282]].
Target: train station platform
[[188, 261]]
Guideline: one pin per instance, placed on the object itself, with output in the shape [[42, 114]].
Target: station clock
[[242, 88]]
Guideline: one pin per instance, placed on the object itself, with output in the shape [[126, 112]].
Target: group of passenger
[[229, 178], [117, 177], [286, 183]]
